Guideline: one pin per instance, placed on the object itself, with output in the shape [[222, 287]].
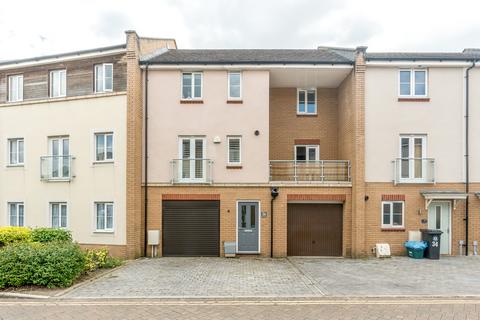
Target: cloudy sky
[[37, 27]]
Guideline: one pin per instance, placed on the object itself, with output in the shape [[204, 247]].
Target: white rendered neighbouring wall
[[78, 119]]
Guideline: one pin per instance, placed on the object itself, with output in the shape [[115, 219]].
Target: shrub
[[98, 259], [14, 234], [50, 235], [55, 264]]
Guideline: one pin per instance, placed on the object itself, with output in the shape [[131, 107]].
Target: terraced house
[[310, 152]]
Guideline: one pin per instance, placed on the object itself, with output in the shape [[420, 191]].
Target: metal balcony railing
[[321, 171], [56, 168], [191, 170], [414, 170]]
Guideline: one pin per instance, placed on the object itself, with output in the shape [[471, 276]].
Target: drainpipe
[[274, 194], [467, 164], [146, 164]]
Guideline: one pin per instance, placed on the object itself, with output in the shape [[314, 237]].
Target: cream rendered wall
[[475, 125], [169, 119], [93, 182], [442, 119]]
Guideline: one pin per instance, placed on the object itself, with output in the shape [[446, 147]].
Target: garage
[[314, 229], [191, 228]]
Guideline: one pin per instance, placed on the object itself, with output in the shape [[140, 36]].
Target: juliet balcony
[[191, 171], [320, 171], [56, 168], [414, 170]]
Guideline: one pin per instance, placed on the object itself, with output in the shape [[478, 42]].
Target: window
[[15, 152], [234, 85], [413, 157], [15, 88], [60, 159], [104, 147], [16, 214], [104, 216], [234, 150], [392, 214], [306, 101], [192, 85], [413, 83], [307, 153], [58, 83], [193, 163], [104, 77], [58, 214]]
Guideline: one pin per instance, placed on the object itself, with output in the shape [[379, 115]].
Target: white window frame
[[103, 65], [411, 156], [240, 85], [63, 75], [307, 147], [306, 101], [17, 204], [9, 152], [229, 162], [105, 134], [95, 208], [15, 92], [50, 211], [391, 225], [192, 86], [192, 164], [412, 83]]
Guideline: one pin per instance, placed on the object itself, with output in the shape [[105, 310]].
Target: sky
[[40, 27]]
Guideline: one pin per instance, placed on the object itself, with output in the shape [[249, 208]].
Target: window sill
[[413, 99], [103, 162], [307, 115], [399, 229], [235, 166], [232, 101], [193, 101], [104, 232], [15, 165]]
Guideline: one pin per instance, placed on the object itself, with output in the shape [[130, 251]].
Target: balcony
[[414, 170], [321, 171], [191, 171], [56, 168]]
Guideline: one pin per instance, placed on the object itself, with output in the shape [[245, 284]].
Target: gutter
[[467, 156], [145, 209]]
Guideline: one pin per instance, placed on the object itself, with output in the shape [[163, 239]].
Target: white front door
[[439, 219]]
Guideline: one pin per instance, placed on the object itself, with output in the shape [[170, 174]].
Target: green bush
[[50, 235], [14, 234], [55, 264], [99, 259]]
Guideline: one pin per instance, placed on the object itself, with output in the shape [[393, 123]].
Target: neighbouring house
[[284, 152]]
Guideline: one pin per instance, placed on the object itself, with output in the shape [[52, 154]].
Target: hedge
[[14, 234], [50, 235], [55, 264]]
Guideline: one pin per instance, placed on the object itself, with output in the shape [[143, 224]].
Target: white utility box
[[153, 237]]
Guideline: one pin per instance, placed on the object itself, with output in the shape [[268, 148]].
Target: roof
[[443, 194], [249, 56], [467, 54], [63, 55]]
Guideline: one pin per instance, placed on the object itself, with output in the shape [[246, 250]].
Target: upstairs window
[[104, 77], [234, 150], [15, 152], [15, 88], [307, 101], [192, 85], [392, 214], [306, 153], [234, 85], [413, 83], [16, 214], [104, 216], [104, 146], [58, 83]]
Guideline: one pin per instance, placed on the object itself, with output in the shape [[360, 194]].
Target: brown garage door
[[314, 229], [191, 228]]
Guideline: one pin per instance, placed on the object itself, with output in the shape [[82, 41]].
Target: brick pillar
[[135, 230], [358, 163]]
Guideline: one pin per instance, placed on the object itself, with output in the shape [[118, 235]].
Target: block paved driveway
[[292, 277]]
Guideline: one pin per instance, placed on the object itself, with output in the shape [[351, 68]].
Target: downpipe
[[274, 193]]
